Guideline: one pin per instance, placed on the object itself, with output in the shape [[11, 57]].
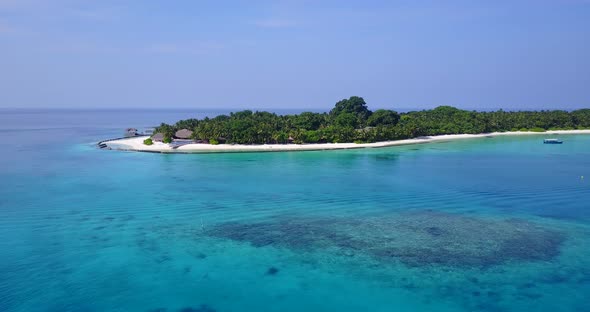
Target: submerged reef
[[201, 308], [415, 239], [272, 271]]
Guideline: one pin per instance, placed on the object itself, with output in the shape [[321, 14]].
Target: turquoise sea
[[491, 224]]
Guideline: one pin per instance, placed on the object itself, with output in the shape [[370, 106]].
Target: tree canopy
[[383, 117], [351, 121], [354, 105]]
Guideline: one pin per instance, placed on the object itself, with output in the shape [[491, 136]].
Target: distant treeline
[[351, 121]]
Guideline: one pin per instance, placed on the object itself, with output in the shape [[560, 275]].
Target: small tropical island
[[350, 124]]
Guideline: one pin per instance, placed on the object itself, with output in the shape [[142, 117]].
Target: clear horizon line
[[303, 109]]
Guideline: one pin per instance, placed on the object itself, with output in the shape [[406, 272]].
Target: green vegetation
[[148, 141], [351, 121]]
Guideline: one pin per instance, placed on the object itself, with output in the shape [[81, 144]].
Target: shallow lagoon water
[[499, 224]]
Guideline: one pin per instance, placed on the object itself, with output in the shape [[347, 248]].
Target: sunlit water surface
[[493, 224]]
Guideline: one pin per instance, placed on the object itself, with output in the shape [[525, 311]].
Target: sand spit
[[136, 144]]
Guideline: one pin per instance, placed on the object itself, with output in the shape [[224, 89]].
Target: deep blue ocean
[[491, 224]]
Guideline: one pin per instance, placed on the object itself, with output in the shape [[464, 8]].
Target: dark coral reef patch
[[415, 239], [201, 308], [272, 271]]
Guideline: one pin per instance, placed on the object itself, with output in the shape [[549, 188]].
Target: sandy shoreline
[[136, 144]]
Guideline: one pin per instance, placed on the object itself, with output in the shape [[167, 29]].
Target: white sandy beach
[[136, 144]]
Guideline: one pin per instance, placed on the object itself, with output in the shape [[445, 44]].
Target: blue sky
[[294, 54]]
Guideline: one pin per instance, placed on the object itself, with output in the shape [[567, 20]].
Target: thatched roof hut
[[365, 129], [183, 134], [158, 137], [129, 132]]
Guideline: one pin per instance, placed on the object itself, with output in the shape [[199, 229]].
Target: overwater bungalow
[[158, 137], [183, 134]]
